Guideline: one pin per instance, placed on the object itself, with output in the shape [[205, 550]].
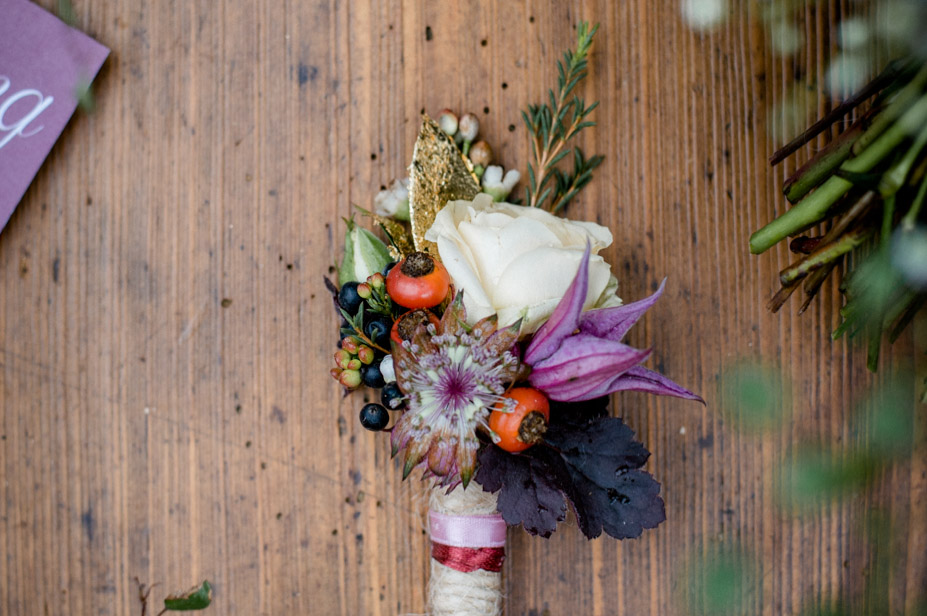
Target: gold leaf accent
[[438, 174], [399, 238]]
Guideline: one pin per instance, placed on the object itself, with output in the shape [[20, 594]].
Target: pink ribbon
[[467, 531], [468, 542]]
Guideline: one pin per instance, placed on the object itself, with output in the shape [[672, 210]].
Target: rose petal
[[495, 240], [565, 317], [465, 278], [614, 323]]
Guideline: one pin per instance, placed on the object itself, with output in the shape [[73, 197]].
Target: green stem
[[892, 72], [916, 304], [824, 255], [894, 178], [907, 223], [813, 207], [888, 213], [875, 342], [899, 105], [822, 164], [813, 284]]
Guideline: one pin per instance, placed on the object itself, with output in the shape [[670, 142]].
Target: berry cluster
[[384, 310], [367, 318]]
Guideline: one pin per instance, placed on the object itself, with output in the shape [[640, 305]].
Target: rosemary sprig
[[551, 125]]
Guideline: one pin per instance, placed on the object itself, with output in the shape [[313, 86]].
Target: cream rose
[[518, 261]]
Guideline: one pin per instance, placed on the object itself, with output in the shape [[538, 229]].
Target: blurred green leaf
[[722, 582], [815, 475], [888, 413], [84, 95], [66, 12], [197, 598], [754, 395]]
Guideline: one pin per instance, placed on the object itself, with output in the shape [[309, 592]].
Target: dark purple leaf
[[578, 413], [609, 491], [591, 460], [528, 495]]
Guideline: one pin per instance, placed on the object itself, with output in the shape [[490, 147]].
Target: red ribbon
[[468, 560]]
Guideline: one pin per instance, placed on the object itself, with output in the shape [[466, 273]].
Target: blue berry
[[371, 375], [348, 297], [374, 416], [391, 396], [377, 329]]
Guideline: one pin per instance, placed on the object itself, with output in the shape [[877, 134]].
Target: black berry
[[387, 268], [348, 297], [374, 416], [391, 396], [377, 329], [371, 376]]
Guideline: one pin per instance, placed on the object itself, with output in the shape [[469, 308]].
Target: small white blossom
[[447, 120], [498, 186], [393, 201], [387, 370], [468, 127]]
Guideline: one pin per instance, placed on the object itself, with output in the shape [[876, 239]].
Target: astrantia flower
[[579, 355], [451, 375]]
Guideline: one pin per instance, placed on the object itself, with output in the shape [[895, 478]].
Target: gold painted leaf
[[438, 174]]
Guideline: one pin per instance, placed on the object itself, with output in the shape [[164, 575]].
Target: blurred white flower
[[909, 256], [704, 14], [846, 74], [854, 33], [785, 37]]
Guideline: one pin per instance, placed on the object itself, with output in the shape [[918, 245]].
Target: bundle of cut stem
[[867, 187]]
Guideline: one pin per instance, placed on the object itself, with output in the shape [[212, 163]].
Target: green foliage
[[66, 13], [721, 581], [197, 598], [817, 473], [364, 254], [552, 124], [754, 396]]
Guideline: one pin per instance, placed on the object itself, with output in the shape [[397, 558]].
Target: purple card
[[43, 62]]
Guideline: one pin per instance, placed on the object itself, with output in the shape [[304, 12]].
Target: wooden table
[[165, 336]]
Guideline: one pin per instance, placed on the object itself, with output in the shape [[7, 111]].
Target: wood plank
[[165, 407]]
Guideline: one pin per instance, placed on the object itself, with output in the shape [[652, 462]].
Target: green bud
[[364, 254], [350, 379], [363, 289], [376, 281], [365, 354], [342, 358], [349, 344], [354, 364]]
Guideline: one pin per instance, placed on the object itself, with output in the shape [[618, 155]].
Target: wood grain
[[165, 407]]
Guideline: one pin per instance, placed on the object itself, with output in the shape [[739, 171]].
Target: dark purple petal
[[639, 378], [614, 323], [582, 363], [565, 317]]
